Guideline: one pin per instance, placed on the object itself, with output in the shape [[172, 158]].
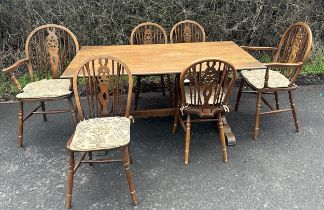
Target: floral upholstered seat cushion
[[46, 89], [100, 134], [195, 102], [256, 78]]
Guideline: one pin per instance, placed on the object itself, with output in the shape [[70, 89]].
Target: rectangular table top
[[166, 58]]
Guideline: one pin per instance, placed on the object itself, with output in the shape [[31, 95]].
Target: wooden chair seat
[[256, 78], [45, 88], [101, 134], [195, 101]]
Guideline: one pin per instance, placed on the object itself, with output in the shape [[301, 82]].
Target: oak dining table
[[157, 59]]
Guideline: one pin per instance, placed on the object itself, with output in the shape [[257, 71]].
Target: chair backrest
[[206, 84], [187, 31], [148, 33], [295, 46], [103, 81], [50, 49]]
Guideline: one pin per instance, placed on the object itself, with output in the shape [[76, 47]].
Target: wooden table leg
[[230, 138]]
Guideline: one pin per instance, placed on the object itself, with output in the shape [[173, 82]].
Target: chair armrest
[[284, 65], [252, 48], [268, 65], [14, 66]]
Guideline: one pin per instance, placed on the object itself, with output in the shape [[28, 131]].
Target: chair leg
[[43, 109], [137, 90], [222, 136], [257, 116], [90, 157], [171, 90], [277, 100], [130, 154], [20, 123], [72, 110], [239, 93], [129, 174], [188, 124], [70, 177], [176, 120], [163, 85], [294, 112]]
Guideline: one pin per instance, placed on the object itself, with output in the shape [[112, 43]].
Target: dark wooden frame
[[208, 79], [51, 57], [103, 99], [289, 57]]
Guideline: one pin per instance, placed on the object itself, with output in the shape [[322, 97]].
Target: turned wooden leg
[[277, 100], [257, 116], [171, 91], [239, 93], [294, 112], [129, 174], [130, 154], [176, 120], [222, 136], [187, 139], [162, 85], [72, 110], [70, 177], [20, 123], [43, 109], [137, 90], [90, 157]]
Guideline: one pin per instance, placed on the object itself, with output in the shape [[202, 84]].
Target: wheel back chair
[[186, 31], [288, 60], [105, 121], [48, 49], [205, 87], [150, 33]]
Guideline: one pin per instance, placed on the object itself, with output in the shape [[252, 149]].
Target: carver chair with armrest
[[104, 118], [205, 85], [280, 76], [150, 33], [48, 49]]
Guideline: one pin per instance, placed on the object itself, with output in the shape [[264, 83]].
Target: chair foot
[[257, 116], [187, 145], [255, 133], [20, 124], [222, 136], [294, 111], [126, 160], [70, 177]]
